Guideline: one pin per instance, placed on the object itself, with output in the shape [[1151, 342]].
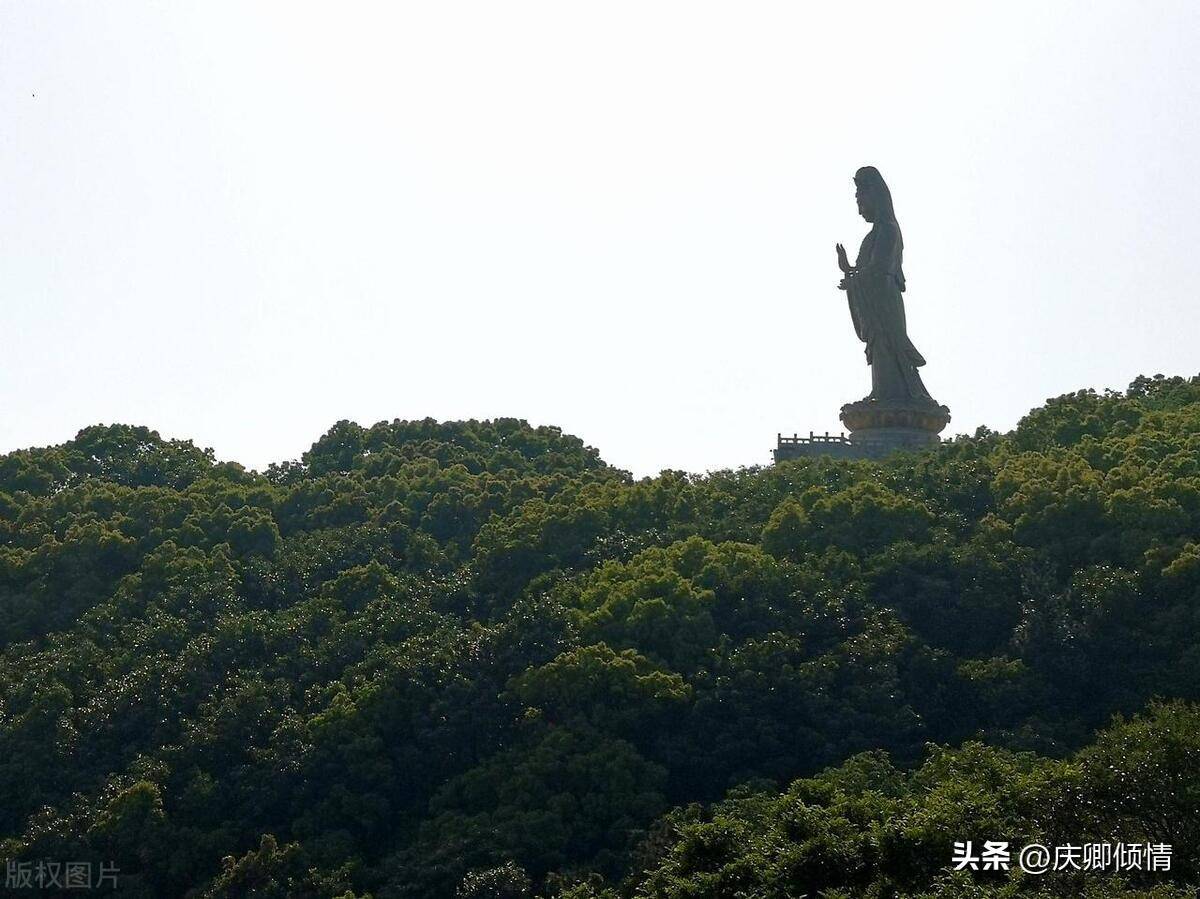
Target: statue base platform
[[878, 428], [881, 427]]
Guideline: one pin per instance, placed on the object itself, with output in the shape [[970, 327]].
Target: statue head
[[874, 198]]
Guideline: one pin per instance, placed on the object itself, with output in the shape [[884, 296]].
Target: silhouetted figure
[[898, 413], [874, 285]]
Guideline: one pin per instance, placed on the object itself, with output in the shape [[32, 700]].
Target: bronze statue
[[873, 286], [898, 413]]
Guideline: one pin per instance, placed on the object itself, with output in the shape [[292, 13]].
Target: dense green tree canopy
[[472, 660]]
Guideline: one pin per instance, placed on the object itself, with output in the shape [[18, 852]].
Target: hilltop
[[436, 659]]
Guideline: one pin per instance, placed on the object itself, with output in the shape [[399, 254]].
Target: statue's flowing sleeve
[[856, 294], [858, 309]]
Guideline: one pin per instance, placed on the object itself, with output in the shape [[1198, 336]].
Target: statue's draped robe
[[877, 310]]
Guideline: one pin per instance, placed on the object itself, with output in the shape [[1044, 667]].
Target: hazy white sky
[[240, 223]]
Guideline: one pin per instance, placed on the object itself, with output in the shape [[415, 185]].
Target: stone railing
[[796, 439]]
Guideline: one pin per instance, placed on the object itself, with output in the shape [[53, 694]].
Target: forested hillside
[[471, 659]]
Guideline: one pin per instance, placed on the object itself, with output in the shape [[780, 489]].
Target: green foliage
[[471, 660], [616, 692], [862, 518], [866, 828], [508, 881]]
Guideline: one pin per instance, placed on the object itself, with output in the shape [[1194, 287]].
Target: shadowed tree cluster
[[472, 660]]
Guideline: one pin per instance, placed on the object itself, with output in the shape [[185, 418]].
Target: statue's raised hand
[[843, 262]]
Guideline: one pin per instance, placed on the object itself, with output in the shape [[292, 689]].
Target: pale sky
[[239, 223]]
